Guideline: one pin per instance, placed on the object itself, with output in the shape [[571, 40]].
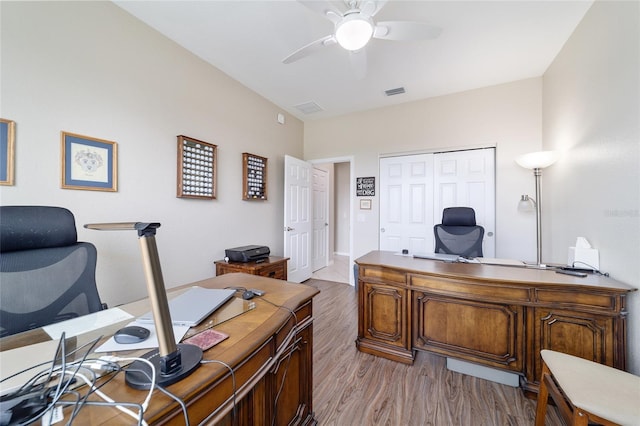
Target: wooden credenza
[[272, 267], [496, 316]]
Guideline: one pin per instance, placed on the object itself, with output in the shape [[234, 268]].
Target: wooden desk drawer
[[273, 271], [471, 290]]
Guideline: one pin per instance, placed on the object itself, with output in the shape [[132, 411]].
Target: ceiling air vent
[[396, 91], [309, 107]]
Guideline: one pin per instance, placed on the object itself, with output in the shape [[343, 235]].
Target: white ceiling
[[482, 43]]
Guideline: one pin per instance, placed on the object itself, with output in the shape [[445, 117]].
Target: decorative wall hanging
[[365, 187], [7, 150], [254, 177], [196, 168], [89, 163], [365, 204]]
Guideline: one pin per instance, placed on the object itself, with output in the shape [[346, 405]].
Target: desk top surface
[[247, 332], [514, 275]]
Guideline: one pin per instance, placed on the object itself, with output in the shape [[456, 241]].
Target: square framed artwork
[[365, 204], [7, 151], [89, 163], [197, 166]]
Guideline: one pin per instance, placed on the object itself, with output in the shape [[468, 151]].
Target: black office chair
[[46, 275], [458, 233]]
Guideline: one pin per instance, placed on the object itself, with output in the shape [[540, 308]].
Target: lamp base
[[138, 374]]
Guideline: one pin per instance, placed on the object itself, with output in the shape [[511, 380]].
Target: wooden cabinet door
[[292, 382], [585, 335], [385, 315], [489, 333]]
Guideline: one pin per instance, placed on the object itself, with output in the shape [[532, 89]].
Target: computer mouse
[[131, 334], [247, 294]]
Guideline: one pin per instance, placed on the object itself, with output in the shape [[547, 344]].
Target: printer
[[247, 253]]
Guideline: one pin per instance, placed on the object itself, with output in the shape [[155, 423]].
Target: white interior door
[[406, 203], [297, 218], [320, 206], [467, 179]]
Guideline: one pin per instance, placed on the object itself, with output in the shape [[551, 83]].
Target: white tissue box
[[586, 258]]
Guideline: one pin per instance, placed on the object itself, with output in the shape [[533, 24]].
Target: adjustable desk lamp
[[172, 362]]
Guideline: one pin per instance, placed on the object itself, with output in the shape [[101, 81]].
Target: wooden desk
[[497, 316], [266, 348], [272, 267]]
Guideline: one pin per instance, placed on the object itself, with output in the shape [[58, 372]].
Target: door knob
[[286, 228], [381, 229]]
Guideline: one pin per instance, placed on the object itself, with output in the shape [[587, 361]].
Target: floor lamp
[[171, 361], [536, 161]]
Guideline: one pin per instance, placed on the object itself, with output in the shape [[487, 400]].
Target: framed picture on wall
[[89, 163], [254, 177], [365, 204], [197, 166], [7, 149]]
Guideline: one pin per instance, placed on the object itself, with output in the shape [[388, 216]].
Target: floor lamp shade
[[537, 161]]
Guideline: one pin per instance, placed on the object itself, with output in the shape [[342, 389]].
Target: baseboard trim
[[482, 372]]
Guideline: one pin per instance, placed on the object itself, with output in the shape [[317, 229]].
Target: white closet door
[[467, 179], [406, 203]]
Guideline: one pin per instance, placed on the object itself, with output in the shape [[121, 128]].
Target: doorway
[[338, 266]]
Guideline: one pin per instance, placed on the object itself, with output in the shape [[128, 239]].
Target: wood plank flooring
[[352, 388]]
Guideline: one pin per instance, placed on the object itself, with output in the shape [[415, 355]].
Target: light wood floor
[[352, 388]]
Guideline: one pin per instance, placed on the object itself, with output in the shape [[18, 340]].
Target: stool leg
[[580, 418], [543, 397]]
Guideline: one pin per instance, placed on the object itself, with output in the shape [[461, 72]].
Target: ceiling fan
[[355, 27]]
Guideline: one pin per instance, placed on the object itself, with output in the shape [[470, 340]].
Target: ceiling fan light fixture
[[354, 32]]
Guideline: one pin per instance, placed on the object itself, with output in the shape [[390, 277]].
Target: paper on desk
[[499, 261], [150, 343], [85, 323]]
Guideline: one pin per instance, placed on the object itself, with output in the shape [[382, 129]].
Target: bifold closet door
[[414, 189]]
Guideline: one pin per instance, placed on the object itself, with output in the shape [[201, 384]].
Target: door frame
[[352, 194]]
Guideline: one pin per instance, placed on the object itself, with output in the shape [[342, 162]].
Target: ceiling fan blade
[[405, 30], [371, 7], [324, 8], [310, 48], [359, 63]]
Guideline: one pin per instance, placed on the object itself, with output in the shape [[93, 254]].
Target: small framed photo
[[365, 204], [7, 151], [89, 163]]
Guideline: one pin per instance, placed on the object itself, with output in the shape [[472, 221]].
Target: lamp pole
[[537, 172]]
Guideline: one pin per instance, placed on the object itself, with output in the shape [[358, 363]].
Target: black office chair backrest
[[46, 275], [458, 233]]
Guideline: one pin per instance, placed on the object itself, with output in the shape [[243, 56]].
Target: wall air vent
[[396, 91], [309, 107]]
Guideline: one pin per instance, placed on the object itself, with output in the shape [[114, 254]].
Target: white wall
[[90, 68], [507, 116], [591, 99]]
